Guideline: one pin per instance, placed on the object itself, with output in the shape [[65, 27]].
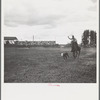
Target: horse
[[75, 49]]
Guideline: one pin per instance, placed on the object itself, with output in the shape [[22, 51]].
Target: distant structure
[[10, 40], [36, 43], [13, 41]]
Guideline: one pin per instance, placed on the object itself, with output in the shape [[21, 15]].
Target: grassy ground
[[45, 65]]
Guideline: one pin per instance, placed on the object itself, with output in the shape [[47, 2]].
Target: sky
[[49, 20]]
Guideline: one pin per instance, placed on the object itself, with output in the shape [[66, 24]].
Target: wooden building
[[10, 40]]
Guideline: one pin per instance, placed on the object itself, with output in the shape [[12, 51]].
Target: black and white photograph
[[50, 41]]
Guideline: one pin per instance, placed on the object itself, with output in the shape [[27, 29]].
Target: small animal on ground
[[65, 55]]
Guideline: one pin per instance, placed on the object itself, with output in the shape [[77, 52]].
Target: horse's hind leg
[[78, 53], [74, 55]]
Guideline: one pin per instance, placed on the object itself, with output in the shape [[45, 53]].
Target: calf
[[65, 55]]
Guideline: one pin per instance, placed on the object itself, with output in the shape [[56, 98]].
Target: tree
[[85, 37], [89, 38], [92, 37]]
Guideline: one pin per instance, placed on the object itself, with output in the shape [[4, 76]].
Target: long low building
[[35, 42], [14, 41]]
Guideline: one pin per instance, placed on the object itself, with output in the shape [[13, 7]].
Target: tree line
[[89, 38]]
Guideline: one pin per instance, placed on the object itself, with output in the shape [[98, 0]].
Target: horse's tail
[[79, 50]]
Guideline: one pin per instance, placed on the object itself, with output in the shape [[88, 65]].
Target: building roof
[[10, 38]]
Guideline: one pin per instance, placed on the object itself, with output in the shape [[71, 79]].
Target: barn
[[10, 40]]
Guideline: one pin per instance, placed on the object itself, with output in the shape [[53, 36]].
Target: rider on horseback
[[73, 41]]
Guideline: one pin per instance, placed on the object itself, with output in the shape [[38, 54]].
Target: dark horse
[[75, 49]]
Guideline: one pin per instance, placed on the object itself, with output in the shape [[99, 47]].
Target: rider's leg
[[72, 46]]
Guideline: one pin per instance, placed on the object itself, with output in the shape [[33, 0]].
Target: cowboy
[[73, 41]]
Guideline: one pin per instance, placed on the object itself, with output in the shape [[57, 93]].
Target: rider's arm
[[70, 38]]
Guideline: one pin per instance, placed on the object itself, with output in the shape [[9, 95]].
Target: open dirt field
[[45, 65]]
